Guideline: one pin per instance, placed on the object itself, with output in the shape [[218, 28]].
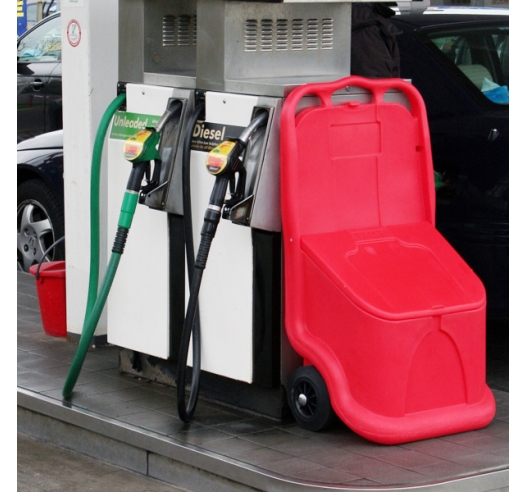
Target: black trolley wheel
[[309, 399]]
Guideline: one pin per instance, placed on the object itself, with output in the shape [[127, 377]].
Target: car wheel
[[309, 399], [40, 222]]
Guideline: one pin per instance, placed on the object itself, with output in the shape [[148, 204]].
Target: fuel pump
[[140, 150], [233, 63]]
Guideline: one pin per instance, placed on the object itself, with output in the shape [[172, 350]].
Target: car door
[[38, 57], [473, 201], [461, 71], [474, 142]]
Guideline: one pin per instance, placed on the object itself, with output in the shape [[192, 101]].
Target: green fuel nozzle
[[142, 148]]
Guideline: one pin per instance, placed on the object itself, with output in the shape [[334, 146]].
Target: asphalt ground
[[42, 467]]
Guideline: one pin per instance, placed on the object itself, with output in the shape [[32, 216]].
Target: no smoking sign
[[73, 32]]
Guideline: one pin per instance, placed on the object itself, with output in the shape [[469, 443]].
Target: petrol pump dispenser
[[227, 63]]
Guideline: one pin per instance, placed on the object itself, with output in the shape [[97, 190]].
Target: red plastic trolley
[[389, 318]]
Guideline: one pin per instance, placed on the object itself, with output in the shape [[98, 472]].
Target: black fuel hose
[[187, 205], [212, 218], [186, 411]]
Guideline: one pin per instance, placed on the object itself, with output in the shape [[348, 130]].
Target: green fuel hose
[[89, 326], [125, 221], [95, 303], [95, 199]]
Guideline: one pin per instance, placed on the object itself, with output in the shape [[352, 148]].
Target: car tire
[[309, 399], [40, 223]]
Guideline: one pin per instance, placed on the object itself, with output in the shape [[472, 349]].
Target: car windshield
[[481, 54], [41, 44]]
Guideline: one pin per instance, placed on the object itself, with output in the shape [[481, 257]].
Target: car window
[[46, 7], [41, 44], [481, 55]]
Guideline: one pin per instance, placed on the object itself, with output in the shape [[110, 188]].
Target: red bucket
[[51, 290]]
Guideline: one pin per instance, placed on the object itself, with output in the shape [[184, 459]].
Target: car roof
[[50, 140], [441, 16], [40, 22]]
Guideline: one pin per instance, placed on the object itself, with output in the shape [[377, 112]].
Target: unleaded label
[[125, 125]]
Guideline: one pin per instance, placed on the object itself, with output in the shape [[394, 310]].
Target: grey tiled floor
[[337, 457]]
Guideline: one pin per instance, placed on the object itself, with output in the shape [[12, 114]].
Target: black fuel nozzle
[[227, 159], [227, 156], [223, 162]]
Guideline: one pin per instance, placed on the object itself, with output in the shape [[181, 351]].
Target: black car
[[40, 200], [460, 65], [39, 79]]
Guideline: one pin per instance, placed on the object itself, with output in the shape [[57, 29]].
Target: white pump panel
[[226, 291], [138, 300]]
